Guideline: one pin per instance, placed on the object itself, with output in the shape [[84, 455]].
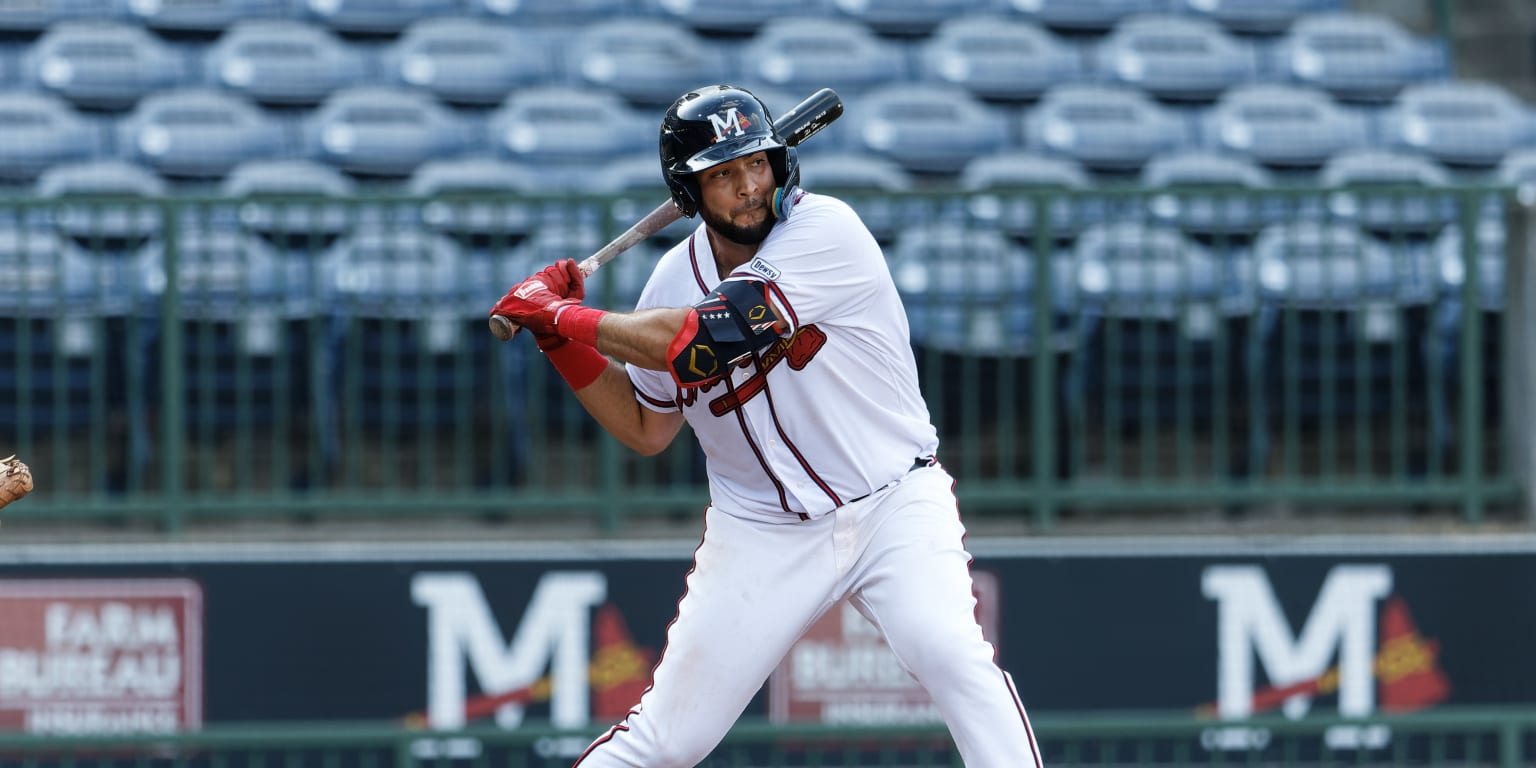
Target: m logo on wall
[[1357, 643]]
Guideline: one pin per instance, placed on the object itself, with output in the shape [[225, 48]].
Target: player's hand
[[564, 279], [532, 304], [549, 342]]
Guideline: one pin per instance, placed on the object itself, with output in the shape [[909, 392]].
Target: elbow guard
[[729, 325]]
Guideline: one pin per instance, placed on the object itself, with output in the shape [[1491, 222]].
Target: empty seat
[[1217, 198], [550, 128], [1103, 127], [738, 18], [35, 17], [468, 61], [636, 181], [115, 215], [546, 12], [101, 64], [481, 225], [1256, 16], [996, 57], [283, 62], [198, 133], [1356, 56], [280, 205], [43, 130], [1390, 193], [384, 131], [374, 17], [1080, 16], [867, 183], [649, 62], [1175, 57], [1282, 126], [802, 54], [1458, 122], [1019, 184], [927, 129], [907, 18], [201, 16]]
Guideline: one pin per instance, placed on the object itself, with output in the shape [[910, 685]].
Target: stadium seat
[[384, 131], [1216, 198], [1084, 17], [1103, 127], [1016, 180], [908, 18], [487, 226], [374, 17], [29, 19], [801, 54], [1174, 57], [198, 133], [636, 183], [546, 13], [1458, 122], [1518, 170], [867, 183], [649, 62], [562, 136], [1282, 126], [283, 62], [1256, 17], [203, 17], [927, 129], [737, 18], [468, 61], [278, 203], [113, 217], [43, 130], [1390, 194], [1356, 56], [997, 57], [101, 64]]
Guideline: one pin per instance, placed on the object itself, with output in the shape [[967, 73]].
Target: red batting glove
[[532, 305], [564, 279]]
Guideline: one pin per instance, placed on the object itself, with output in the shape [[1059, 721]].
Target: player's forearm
[[611, 401], [641, 337]]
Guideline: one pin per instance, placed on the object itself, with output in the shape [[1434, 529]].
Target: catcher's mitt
[[15, 480]]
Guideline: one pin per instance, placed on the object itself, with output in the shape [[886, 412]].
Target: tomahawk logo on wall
[[1358, 645]]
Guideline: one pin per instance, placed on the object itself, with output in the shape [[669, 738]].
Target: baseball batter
[[776, 332]]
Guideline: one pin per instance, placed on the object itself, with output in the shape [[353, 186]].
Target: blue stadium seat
[[1518, 169], [488, 226], [1390, 194], [997, 57], [542, 13], [198, 133], [637, 183], [282, 202], [927, 129], [1015, 180], [1103, 127], [1079, 16], [1356, 56], [1458, 122], [374, 17], [102, 64], [650, 62], [200, 16], [802, 54], [1175, 57], [384, 131], [468, 61], [1256, 17], [564, 136], [1282, 126], [910, 18], [867, 183], [283, 62], [35, 17], [106, 208], [1216, 198], [43, 130], [737, 18]]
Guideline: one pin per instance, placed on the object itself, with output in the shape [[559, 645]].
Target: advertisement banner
[[100, 655]]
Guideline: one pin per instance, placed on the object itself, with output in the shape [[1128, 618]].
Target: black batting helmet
[[708, 126]]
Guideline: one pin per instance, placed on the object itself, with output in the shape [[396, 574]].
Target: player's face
[[735, 198]]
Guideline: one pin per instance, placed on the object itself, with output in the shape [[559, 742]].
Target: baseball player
[[776, 332]]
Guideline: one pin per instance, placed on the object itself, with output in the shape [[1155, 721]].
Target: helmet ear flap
[[685, 195]]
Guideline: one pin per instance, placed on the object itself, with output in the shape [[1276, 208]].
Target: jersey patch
[[762, 267], [729, 325]]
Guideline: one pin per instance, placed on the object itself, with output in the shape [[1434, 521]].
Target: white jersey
[[832, 411]]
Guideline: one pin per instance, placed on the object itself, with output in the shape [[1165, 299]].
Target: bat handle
[[503, 329]]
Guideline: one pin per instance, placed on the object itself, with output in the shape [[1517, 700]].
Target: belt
[[917, 463]]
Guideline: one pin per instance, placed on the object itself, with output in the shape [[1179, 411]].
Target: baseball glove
[[15, 480]]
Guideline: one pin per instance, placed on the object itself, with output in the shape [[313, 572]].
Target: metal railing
[[1467, 738], [208, 359]]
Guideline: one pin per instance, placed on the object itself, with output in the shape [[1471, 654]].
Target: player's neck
[[728, 254]]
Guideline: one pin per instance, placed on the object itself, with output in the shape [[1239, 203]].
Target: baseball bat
[[801, 122]]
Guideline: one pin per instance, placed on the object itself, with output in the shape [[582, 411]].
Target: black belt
[[917, 463]]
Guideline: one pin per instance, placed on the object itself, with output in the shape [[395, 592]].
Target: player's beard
[[741, 235]]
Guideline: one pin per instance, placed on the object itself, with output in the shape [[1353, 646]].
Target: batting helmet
[[708, 126]]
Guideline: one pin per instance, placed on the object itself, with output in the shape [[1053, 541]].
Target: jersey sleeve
[[821, 267]]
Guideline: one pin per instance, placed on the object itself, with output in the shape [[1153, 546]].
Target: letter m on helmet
[[730, 123]]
